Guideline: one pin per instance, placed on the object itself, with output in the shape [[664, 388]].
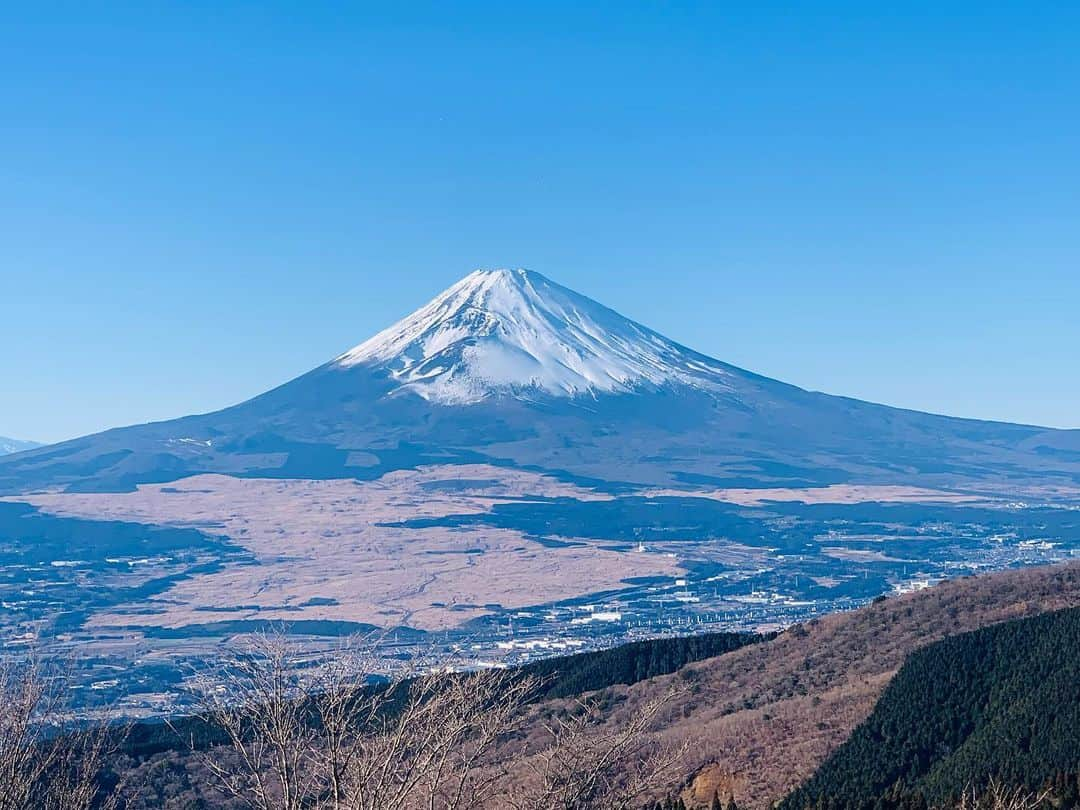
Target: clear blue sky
[[201, 203]]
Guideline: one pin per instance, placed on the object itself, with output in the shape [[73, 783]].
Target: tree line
[[1000, 704]]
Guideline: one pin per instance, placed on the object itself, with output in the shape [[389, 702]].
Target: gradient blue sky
[[200, 203]]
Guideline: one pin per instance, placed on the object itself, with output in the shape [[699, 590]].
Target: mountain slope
[[763, 719], [517, 333], [510, 368], [762, 716], [995, 703], [8, 446]]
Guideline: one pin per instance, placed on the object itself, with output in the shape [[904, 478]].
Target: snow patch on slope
[[8, 446], [514, 331]]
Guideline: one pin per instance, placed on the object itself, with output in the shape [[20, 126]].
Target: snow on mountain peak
[[515, 331]]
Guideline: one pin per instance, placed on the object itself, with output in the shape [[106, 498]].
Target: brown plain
[[329, 540]]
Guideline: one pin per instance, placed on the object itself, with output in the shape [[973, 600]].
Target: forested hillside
[[763, 719], [746, 717], [998, 703], [634, 662]]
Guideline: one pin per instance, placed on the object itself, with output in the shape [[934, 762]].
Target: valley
[[756, 716], [761, 492], [497, 566], [510, 472]]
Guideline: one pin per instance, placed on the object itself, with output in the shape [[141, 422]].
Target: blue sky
[[202, 202]]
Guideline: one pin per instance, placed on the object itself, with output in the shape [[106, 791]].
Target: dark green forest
[[998, 703], [630, 663]]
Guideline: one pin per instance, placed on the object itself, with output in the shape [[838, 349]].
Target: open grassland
[[324, 550]]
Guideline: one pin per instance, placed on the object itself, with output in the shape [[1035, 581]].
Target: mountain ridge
[[510, 368], [512, 331], [997, 703], [9, 445]]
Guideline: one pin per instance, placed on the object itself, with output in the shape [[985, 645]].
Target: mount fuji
[[509, 368], [515, 333]]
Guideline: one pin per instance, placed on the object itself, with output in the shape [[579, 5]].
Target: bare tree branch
[[46, 761]]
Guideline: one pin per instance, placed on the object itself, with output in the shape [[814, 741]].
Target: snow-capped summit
[[516, 332], [509, 368]]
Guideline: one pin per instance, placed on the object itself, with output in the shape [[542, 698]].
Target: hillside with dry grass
[[759, 721], [750, 724]]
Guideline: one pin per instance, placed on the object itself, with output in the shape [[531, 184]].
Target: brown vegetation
[[335, 550], [760, 720], [42, 764], [322, 738], [747, 725], [325, 741]]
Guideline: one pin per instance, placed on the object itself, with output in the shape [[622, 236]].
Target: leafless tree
[[586, 763], [999, 796], [324, 738], [431, 750], [257, 703], [46, 760], [431, 739]]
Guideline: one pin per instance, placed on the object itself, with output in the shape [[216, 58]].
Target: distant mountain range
[[510, 368], [8, 446]]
